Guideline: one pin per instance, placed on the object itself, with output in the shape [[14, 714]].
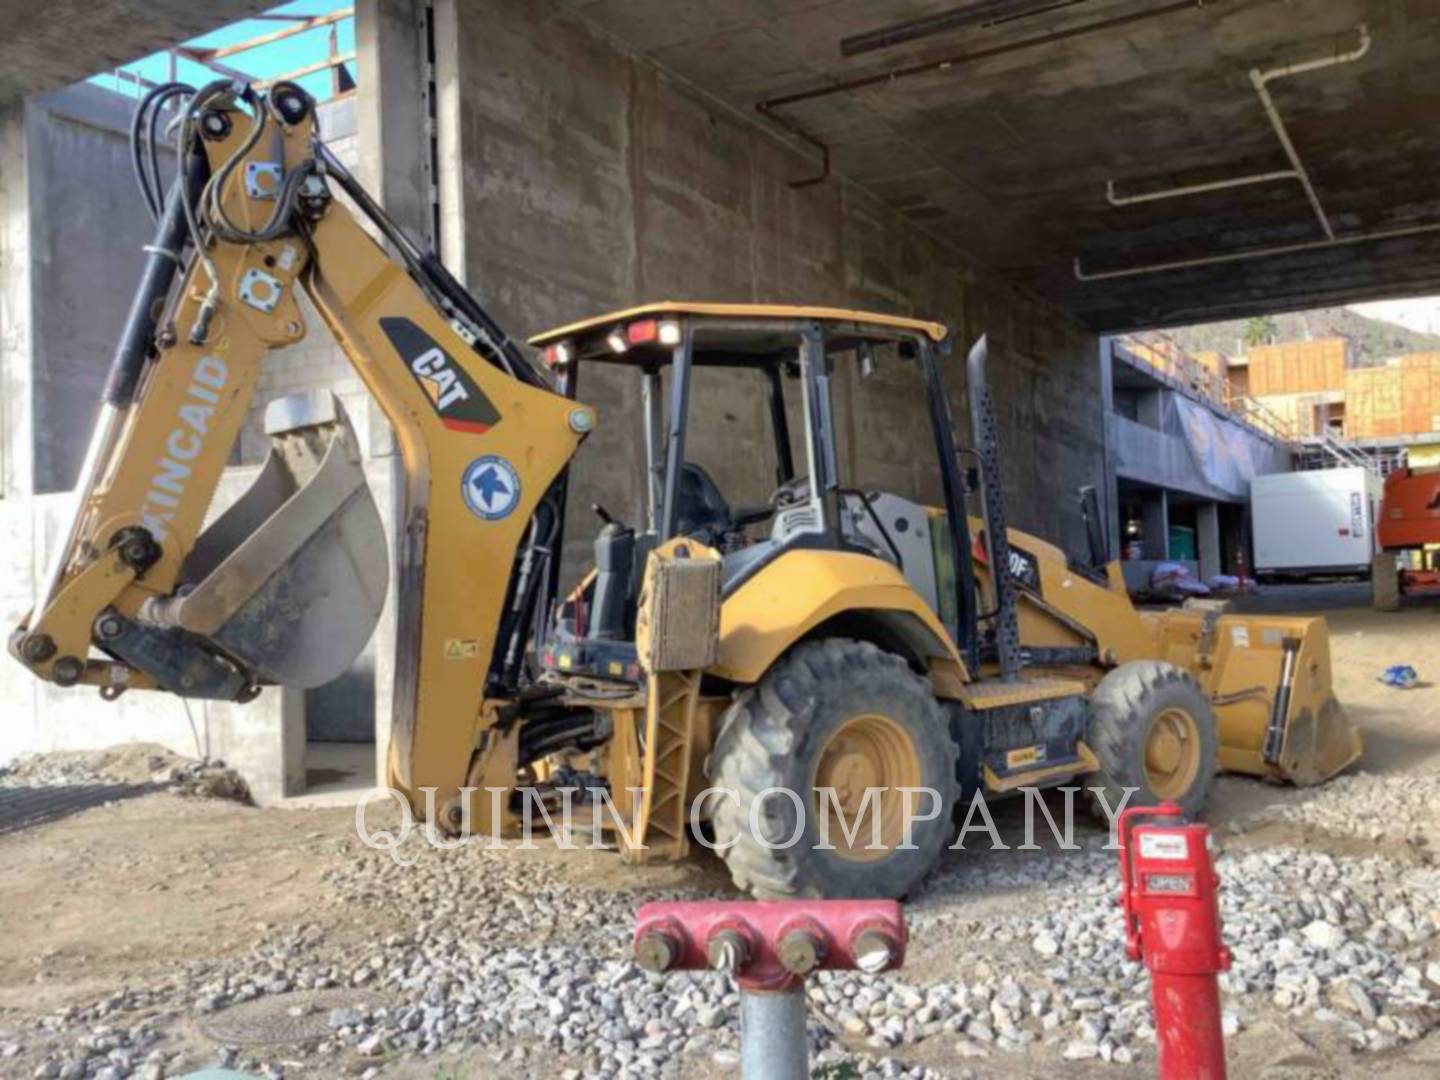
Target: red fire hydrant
[[769, 948], [1172, 923]]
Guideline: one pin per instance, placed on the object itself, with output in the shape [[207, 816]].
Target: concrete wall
[[1162, 457], [87, 227], [583, 181]]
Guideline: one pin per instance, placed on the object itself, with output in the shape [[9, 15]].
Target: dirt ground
[[132, 892]]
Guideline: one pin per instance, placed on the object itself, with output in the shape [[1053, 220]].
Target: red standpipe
[[1172, 923], [769, 948]]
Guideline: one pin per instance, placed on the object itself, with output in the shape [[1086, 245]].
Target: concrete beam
[[62, 41]]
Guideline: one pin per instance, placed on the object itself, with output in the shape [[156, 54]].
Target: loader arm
[[284, 587]]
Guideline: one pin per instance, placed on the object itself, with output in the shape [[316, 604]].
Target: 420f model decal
[[458, 402]]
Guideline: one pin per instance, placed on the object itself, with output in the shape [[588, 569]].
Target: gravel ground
[[165, 933]]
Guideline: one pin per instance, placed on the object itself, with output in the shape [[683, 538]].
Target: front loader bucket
[[291, 579], [1270, 682]]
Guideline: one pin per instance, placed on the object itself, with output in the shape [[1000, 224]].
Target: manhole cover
[[287, 1018]]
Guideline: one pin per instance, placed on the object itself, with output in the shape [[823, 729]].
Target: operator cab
[[795, 354]]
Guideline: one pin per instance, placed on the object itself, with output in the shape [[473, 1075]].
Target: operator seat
[[701, 510]]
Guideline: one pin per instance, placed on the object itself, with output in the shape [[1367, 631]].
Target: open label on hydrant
[[1169, 883]]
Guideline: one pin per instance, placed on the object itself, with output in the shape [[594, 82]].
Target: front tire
[[842, 715], [1153, 729]]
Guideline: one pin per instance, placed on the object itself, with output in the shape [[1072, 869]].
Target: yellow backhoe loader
[[810, 660]]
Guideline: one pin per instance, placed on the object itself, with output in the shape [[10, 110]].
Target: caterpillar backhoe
[[810, 660]]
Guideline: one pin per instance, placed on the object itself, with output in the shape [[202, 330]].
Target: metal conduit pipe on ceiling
[[1260, 80]]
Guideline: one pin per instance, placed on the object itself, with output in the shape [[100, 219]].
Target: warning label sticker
[[1164, 846], [462, 649]]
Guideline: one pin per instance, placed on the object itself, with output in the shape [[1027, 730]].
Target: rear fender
[[805, 592]]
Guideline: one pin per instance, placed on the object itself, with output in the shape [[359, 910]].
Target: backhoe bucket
[[1270, 682], [291, 579]]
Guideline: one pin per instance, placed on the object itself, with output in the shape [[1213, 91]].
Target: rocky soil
[[141, 765], [158, 935]]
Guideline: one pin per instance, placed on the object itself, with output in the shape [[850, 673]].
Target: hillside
[[1372, 341]]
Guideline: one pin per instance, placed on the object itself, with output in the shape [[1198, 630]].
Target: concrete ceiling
[[1008, 155], [50, 43]]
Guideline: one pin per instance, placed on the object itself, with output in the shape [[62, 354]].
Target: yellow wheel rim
[[1172, 753], [867, 753]]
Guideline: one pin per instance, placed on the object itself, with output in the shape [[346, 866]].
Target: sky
[[264, 62], [1422, 314]]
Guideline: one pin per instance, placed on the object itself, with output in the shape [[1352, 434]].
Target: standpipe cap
[[656, 951], [727, 951], [874, 951], [800, 952]]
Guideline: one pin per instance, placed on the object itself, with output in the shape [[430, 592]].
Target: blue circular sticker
[[491, 487]]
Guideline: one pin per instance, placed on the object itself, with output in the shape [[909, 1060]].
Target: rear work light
[[648, 330], [560, 354]]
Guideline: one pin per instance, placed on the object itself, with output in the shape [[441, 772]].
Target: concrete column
[[392, 110], [17, 312], [1155, 520], [1150, 408], [1207, 539], [450, 151], [1110, 486]]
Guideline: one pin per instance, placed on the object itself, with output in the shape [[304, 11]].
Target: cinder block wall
[[587, 181]]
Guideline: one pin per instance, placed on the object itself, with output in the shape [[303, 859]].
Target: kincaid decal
[[183, 445], [459, 403]]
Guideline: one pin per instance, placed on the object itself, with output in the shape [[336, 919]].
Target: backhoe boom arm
[[286, 585]]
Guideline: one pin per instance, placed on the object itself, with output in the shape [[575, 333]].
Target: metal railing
[[342, 82], [1172, 364]]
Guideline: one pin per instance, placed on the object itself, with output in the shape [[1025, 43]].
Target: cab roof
[[936, 332]]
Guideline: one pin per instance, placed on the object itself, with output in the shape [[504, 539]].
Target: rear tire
[[1153, 729], [845, 715], [1385, 581]]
